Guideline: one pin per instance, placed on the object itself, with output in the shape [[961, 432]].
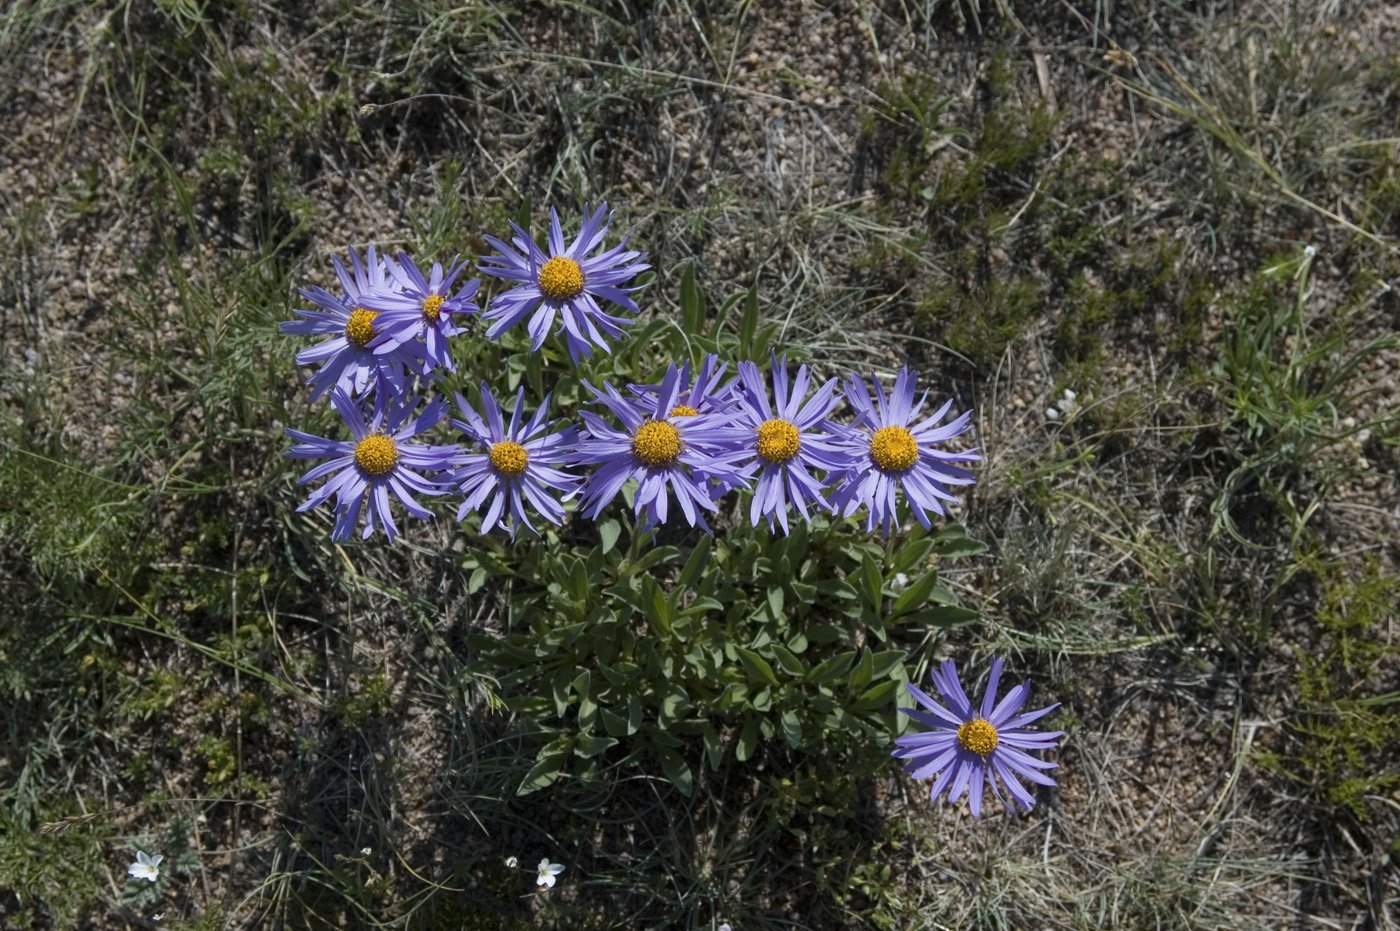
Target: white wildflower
[[146, 866], [512, 862], [547, 873]]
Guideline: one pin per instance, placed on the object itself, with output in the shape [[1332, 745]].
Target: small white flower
[[1310, 250], [512, 862], [724, 927], [547, 873], [900, 582], [1070, 396], [146, 866], [1051, 414]]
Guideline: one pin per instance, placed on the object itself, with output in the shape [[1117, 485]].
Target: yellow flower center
[[657, 443], [778, 441], [684, 410], [978, 735], [893, 449], [359, 329], [508, 458], [561, 279], [432, 307], [376, 454]]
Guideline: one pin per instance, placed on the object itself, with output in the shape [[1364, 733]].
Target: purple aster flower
[[704, 395], [888, 447], [787, 439], [520, 464], [378, 460], [424, 309], [969, 747], [564, 281], [695, 455], [347, 361]]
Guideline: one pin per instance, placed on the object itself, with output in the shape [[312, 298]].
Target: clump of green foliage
[[1341, 744], [1002, 230], [1286, 373], [709, 651]]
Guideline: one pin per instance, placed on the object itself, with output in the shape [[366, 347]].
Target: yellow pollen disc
[[778, 441], [508, 458], [657, 443], [561, 279], [978, 735], [893, 449], [432, 307], [359, 329], [684, 410], [376, 454]]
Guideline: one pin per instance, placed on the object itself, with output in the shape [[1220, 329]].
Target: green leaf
[[748, 325], [790, 663], [548, 762], [695, 565], [559, 688], [677, 770], [605, 642], [756, 666], [620, 674], [692, 303], [658, 607], [954, 541], [702, 606], [887, 662], [651, 558], [734, 695], [832, 669], [674, 704], [775, 604], [608, 532], [911, 555], [825, 633], [578, 583], [587, 707], [873, 581], [614, 723], [722, 315], [940, 595], [792, 728], [915, 595], [590, 746], [714, 748], [534, 372], [877, 696], [840, 589], [865, 668], [748, 741]]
